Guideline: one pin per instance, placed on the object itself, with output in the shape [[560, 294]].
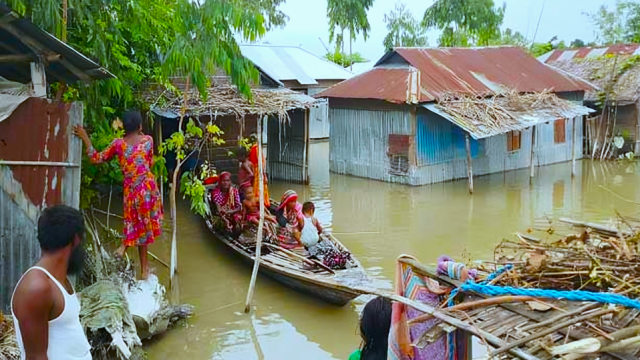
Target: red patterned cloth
[[228, 201], [142, 204]]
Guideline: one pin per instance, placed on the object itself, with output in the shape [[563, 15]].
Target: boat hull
[[326, 291]]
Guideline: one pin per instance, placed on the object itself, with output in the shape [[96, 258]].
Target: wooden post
[[256, 263], [533, 150], [573, 149], [305, 155], [38, 79], [469, 165]]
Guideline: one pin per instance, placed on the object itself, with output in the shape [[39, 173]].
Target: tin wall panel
[[42, 132], [286, 148], [359, 141]]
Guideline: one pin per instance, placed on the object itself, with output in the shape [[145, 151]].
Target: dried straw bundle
[[8, 346], [501, 113], [597, 258], [225, 100]]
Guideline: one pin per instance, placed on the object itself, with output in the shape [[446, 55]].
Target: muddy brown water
[[377, 221]]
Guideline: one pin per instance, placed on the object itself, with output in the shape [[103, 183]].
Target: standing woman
[[142, 203]]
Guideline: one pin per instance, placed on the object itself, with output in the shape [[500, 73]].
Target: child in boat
[[312, 229], [251, 207], [375, 325]]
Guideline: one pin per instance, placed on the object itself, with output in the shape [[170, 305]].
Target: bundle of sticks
[[502, 111], [593, 257]]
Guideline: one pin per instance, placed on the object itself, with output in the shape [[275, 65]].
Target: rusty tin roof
[[440, 71]]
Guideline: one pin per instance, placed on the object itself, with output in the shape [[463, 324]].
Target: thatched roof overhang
[[486, 117], [225, 100]]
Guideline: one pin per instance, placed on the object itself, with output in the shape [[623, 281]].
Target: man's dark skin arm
[[32, 306]]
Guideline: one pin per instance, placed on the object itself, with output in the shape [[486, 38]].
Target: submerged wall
[[384, 142]]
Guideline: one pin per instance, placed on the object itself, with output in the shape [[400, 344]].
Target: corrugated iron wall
[[493, 156], [359, 141], [318, 117], [287, 148], [41, 132]]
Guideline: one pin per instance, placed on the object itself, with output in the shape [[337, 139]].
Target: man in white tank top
[[45, 307]]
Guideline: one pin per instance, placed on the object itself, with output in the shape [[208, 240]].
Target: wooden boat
[[294, 270]]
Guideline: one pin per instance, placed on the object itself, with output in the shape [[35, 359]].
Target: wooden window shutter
[[513, 140], [559, 135]]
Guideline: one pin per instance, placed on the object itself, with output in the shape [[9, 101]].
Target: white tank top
[[309, 236], [67, 340]]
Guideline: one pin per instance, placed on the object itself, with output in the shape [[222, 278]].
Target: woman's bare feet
[[120, 252]]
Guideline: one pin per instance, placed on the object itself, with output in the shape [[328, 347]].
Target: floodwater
[[377, 221]]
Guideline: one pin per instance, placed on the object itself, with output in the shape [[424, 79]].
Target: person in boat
[[142, 203], [375, 325], [245, 171], [251, 208], [290, 220], [253, 158], [311, 228], [226, 199]]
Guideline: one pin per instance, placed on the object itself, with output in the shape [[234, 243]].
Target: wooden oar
[[256, 264], [307, 260]]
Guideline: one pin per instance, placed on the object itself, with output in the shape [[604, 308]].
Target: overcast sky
[[308, 22]]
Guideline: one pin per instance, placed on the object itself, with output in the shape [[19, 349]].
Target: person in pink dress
[[142, 203]]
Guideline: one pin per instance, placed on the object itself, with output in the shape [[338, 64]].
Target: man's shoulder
[[35, 285]]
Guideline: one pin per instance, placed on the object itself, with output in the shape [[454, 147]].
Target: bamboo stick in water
[[256, 264]]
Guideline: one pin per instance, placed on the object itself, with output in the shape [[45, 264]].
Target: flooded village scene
[[339, 179]]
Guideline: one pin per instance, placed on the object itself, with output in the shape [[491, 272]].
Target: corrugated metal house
[[301, 71], [392, 124], [39, 156], [616, 66]]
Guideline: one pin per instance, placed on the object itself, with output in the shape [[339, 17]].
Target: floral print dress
[[142, 203]]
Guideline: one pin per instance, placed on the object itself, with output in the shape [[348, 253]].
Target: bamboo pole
[[573, 149], [256, 264], [469, 165], [548, 331], [533, 151], [474, 330]]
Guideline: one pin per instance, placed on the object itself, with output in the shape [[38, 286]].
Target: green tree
[[404, 29], [510, 37], [577, 43], [348, 15], [618, 25], [465, 22], [344, 60]]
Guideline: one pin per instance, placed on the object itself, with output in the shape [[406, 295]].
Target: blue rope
[[451, 302], [575, 295]]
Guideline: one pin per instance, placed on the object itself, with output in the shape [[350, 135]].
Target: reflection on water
[[377, 221]]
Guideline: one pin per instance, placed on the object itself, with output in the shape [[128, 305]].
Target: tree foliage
[[149, 41], [510, 37], [348, 15], [618, 25], [465, 22], [577, 43], [344, 60], [404, 29]]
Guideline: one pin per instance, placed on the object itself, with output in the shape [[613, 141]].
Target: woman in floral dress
[[226, 199], [291, 211], [142, 203]]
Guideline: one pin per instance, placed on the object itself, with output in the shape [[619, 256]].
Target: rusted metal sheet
[[389, 84], [581, 53], [477, 71], [287, 148], [40, 133]]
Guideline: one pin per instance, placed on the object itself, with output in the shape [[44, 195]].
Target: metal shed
[[39, 156], [388, 123]]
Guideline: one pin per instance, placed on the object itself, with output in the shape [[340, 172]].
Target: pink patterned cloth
[[142, 204]]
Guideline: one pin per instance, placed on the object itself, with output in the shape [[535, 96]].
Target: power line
[[538, 25]]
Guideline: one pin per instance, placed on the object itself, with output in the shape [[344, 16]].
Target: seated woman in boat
[[226, 199], [245, 171], [291, 220]]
